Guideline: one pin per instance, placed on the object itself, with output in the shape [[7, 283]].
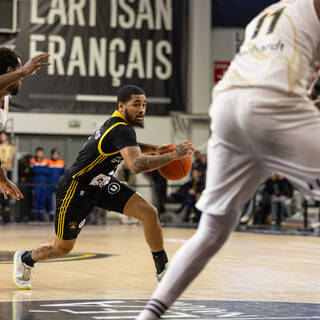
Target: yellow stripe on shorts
[[64, 207]]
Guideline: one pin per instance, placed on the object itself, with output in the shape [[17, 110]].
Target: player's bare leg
[[137, 207], [52, 249], [25, 260]]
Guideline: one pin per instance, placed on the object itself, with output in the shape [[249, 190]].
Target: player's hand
[[183, 149], [10, 188], [35, 64], [166, 148]]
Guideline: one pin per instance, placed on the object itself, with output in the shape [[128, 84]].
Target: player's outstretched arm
[[33, 65], [138, 162], [9, 187]]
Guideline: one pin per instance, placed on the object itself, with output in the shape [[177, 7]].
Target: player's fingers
[[5, 194], [18, 193], [42, 56], [13, 195], [43, 64]]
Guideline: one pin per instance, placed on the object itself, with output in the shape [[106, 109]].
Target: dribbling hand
[[183, 149], [166, 148]]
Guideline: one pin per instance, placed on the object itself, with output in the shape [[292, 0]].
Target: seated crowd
[[275, 201]]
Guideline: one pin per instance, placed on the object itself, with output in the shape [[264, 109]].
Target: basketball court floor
[[110, 274]]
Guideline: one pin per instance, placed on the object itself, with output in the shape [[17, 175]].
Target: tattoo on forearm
[[146, 163], [181, 150], [146, 147], [43, 253]]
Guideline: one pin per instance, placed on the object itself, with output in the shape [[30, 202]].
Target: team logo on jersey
[[97, 134], [100, 181], [113, 188]]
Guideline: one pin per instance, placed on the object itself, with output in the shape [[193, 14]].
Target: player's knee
[[149, 213]]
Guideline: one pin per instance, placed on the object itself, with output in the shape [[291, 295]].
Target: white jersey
[[4, 109], [280, 50]]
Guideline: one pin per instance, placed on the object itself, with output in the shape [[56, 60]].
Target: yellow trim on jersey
[[66, 201], [101, 139], [89, 166], [102, 155], [118, 114]]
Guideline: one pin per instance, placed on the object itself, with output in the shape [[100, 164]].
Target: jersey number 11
[[275, 18]]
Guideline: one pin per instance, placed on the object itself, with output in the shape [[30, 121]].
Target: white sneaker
[[21, 272], [160, 275]]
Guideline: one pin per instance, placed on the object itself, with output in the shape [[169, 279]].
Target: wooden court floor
[[250, 267]]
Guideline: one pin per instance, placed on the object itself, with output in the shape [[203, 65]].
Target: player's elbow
[[136, 165], [134, 169]]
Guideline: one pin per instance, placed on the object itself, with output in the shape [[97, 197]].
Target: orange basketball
[[176, 169]]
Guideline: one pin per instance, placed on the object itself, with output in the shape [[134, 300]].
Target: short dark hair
[[124, 94], [54, 150], [39, 149], [8, 58]]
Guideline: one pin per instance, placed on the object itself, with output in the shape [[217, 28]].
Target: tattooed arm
[[145, 148], [137, 162]]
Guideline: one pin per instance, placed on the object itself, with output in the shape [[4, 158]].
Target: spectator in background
[[196, 163], [281, 192], [40, 169], [124, 174], [196, 186], [203, 166], [25, 180], [160, 188], [56, 170], [7, 152]]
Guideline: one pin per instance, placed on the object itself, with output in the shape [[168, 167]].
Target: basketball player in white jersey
[[262, 121], [11, 75]]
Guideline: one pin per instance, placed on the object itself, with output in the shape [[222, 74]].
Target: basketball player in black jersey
[[90, 183]]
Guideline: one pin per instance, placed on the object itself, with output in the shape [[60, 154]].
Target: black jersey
[[101, 153]]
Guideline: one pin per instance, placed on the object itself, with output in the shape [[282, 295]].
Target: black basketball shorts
[[76, 201]]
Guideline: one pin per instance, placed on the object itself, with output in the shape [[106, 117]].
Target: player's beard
[[132, 121]]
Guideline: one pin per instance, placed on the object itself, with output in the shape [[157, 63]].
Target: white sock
[[187, 263]]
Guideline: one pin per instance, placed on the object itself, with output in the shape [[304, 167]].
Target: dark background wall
[[236, 13]]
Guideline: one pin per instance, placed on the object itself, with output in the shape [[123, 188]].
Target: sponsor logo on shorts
[[113, 187], [73, 225]]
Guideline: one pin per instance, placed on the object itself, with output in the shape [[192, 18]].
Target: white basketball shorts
[[256, 132]]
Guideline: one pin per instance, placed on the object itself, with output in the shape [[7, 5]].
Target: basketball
[[176, 169]]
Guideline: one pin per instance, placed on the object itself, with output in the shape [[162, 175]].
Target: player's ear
[[9, 69], [120, 106]]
